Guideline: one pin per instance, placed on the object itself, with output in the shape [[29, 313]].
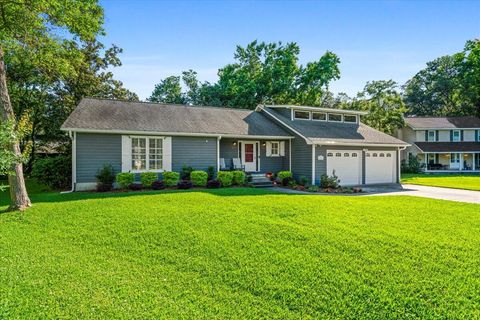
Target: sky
[[375, 40]]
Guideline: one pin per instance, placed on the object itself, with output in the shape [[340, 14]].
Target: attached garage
[[347, 165], [380, 166]]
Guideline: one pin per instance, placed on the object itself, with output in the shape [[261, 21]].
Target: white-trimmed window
[[350, 118], [431, 136], [319, 116], [147, 154], [335, 117], [456, 135], [275, 148], [302, 115]]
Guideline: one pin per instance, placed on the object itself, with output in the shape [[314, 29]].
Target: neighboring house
[[309, 141], [443, 143]]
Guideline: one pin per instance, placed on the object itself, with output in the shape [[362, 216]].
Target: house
[[446, 144], [309, 141]]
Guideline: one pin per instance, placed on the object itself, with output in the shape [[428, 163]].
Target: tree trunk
[[18, 192]]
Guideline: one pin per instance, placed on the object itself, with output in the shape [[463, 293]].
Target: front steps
[[259, 180]]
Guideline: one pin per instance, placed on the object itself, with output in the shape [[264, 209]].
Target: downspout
[[313, 164], [218, 152], [73, 136]]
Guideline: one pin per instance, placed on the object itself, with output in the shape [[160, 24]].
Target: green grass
[[456, 181], [239, 253]]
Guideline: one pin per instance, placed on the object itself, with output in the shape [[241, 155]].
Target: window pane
[[155, 154], [302, 114], [319, 116], [350, 118], [334, 117], [275, 148], [139, 154]]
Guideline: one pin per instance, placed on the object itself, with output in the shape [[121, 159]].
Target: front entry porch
[[450, 162]]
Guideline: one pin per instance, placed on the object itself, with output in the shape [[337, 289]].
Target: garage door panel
[[347, 165], [380, 167]]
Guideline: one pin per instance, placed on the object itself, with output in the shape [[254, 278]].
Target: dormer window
[[350, 118], [303, 115], [431, 135], [319, 116], [334, 117]]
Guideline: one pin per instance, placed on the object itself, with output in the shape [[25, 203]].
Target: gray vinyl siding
[[301, 158], [94, 151], [228, 151], [196, 152]]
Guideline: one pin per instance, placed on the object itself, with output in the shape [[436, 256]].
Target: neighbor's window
[[334, 117], [431, 135], [321, 116], [275, 148], [350, 118], [147, 154], [456, 135], [301, 114]]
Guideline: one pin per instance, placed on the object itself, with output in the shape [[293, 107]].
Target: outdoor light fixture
[[264, 144], [234, 143]]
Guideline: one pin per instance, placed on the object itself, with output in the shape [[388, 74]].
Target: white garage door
[[347, 165], [380, 167]]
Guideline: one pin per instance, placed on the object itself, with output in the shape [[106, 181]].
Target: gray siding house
[[309, 141]]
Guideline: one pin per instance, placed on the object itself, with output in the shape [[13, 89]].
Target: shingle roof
[[443, 122], [117, 115], [329, 132], [449, 146]]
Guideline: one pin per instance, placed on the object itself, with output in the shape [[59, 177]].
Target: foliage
[[147, 178], [284, 174], [413, 165], [313, 189], [170, 178], [303, 181], [262, 73], [238, 178], [214, 184], [7, 156], [125, 179], [455, 181], [158, 185], [225, 178], [135, 186], [106, 175], [55, 172], [329, 181], [211, 172], [288, 181], [185, 173], [102, 187], [199, 178], [350, 241], [185, 184], [448, 86]]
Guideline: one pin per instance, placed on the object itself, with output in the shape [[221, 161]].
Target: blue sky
[[375, 40]]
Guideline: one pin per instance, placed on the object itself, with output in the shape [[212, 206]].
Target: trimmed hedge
[[284, 174], [238, 177], [199, 178], [125, 179], [225, 178], [170, 178], [147, 178]]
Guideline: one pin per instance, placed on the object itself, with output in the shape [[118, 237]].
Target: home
[[443, 144], [309, 141]]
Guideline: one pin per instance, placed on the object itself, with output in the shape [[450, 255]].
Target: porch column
[[218, 153], [461, 161], [474, 159], [425, 160]]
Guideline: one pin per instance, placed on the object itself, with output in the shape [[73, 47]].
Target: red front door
[[250, 156]]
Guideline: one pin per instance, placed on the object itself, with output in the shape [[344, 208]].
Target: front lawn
[[456, 181], [239, 253]]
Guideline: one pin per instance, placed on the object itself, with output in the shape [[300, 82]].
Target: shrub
[[185, 173], [105, 178], [55, 172], [329, 182], [287, 181], [284, 174], [170, 178], [158, 185], [199, 178], [313, 189], [213, 184], [413, 165], [147, 178], [225, 178], [185, 184], [125, 179], [238, 177], [135, 187], [303, 181], [211, 172]]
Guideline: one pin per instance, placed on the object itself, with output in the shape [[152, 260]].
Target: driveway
[[407, 190]]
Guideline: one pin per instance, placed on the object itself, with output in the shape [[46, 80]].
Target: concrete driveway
[[424, 191]]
